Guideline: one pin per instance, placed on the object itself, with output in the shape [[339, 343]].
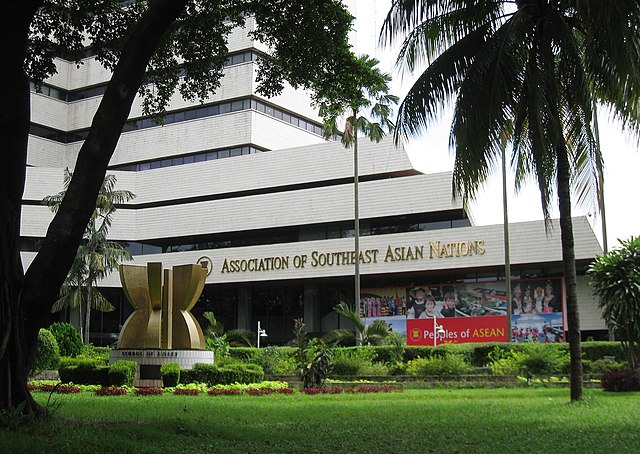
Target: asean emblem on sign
[[415, 334], [206, 263]]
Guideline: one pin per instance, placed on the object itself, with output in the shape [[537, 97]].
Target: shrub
[[83, 371], [276, 360], [504, 362], [352, 360], [47, 353], [449, 364], [99, 353], [595, 350], [68, 339], [220, 392], [148, 391], [111, 391], [601, 366], [621, 380], [542, 359], [122, 373], [170, 373], [59, 388], [232, 373], [243, 353]]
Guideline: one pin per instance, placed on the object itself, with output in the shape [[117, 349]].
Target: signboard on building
[[469, 312]]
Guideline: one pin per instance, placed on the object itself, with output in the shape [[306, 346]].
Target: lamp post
[[261, 333], [437, 329]]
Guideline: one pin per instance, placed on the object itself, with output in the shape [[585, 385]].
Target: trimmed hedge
[[170, 373], [83, 371], [226, 375], [122, 373]]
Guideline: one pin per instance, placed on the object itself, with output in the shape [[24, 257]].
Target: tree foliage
[[530, 71], [615, 279], [152, 48], [375, 333]]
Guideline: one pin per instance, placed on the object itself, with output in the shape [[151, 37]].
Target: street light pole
[[437, 329], [261, 333]]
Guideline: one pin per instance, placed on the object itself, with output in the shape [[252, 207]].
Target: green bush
[[68, 339], [601, 366], [47, 353], [93, 352], [449, 364], [352, 360], [246, 354], [170, 373], [542, 359], [594, 350], [504, 361], [213, 375], [276, 360], [83, 371], [122, 373]]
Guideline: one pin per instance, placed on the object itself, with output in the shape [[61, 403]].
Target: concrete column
[[244, 308], [311, 308]]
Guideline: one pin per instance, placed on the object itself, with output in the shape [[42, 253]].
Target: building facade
[[248, 187]]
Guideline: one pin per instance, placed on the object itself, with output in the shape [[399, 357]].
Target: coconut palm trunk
[[569, 268]]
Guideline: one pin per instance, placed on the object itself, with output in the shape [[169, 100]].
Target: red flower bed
[[373, 389], [259, 392], [111, 391], [329, 390], [219, 392], [62, 389], [148, 391], [284, 391], [187, 392]]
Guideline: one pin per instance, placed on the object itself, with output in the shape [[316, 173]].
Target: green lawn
[[414, 421]]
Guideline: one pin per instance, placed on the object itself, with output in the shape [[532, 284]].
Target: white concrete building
[[248, 186]]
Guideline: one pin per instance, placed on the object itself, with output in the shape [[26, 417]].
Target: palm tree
[[531, 69], [367, 95], [376, 333], [96, 256]]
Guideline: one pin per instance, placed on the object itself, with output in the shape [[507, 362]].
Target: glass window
[[225, 108], [191, 114], [236, 59], [200, 157], [245, 150], [145, 166], [235, 152], [189, 159], [177, 161], [156, 164], [302, 124], [212, 155], [178, 116], [286, 117], [269, 111], [223, 154], [166, 163], [213, 110], [236, 106]]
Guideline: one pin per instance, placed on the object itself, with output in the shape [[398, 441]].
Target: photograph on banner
[[386, 304], [457, 300], [537, 307]]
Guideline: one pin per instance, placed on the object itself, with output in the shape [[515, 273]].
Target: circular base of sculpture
[[149, 362]]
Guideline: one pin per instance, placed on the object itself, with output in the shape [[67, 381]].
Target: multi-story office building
[[248, 187]]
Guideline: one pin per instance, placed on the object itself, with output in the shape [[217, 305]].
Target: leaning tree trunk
[[26, 299], [569, 266]]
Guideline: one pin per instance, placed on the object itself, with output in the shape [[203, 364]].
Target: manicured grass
[[413, 421]]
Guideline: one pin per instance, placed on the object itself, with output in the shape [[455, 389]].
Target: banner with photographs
[[537, 308]]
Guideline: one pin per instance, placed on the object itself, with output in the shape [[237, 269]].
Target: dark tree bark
[[569, 264], [27, 298]]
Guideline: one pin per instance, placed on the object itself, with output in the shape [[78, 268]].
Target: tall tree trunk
[[17, 337], [569, 265], [26, 298]]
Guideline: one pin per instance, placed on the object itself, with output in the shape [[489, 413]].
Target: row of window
[[185, 115], [208, 155], [382, 226], [77, 95]]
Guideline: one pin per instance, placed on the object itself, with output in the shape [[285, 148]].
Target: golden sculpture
[[161, 318]]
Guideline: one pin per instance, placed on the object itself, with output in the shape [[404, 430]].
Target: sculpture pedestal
[[149, 362]]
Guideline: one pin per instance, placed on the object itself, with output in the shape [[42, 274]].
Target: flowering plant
[[148, 391], [111, 391]]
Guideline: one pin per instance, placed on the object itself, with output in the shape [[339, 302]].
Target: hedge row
[[476, 354], [225, 375], [82, 371]]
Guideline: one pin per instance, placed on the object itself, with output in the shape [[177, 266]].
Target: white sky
[[430, 152]]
